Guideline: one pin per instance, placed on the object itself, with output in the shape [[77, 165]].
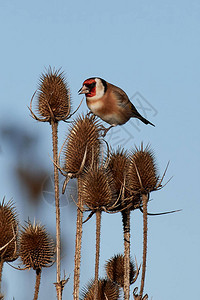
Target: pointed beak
[[83, 90]]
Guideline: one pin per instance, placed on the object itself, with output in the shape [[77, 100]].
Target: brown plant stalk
[[79, 230], [126, 230], [144, 259], [98, 231], [54, 126], [53, 105], [37, 284]]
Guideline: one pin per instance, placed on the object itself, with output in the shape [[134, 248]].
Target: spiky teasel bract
[[142, 176], [98, 188], [8, 231], [107, 290], [37, 248], [115, 270], [118, 164], [53, 96], [83, 141]]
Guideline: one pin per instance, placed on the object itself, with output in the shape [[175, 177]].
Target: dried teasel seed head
[[8, 231], [53, 96], [84, 138], [115, 270], [98, 188], [37, 248], [118, 164], [142, 174], [107, 290]]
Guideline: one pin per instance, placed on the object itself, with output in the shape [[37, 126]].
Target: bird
[[109, 102]]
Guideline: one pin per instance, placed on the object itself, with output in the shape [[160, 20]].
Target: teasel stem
[[37, 283], [79, 230], [126, 229], [144, 259], [54, 126], [1, 269], [98, 232]]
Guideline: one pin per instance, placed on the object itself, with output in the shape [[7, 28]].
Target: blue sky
[[148, 48]]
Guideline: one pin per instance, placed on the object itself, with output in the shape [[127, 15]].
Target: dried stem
[[144, 259], [98, 231], [79, 225], [37, 284], [126, 229], [57, 204], [1, 269]]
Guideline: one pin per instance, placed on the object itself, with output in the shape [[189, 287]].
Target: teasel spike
[[54, 105], [143, 179], [97, 192], [8, 233], [118, 165], [81, 151], [37, 250], [84, 132], [115, 270], [107, 290]]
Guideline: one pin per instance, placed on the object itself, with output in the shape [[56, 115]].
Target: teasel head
[[115, 270], [8, 232], [37, 248], [107, 290], [83, 145], [53, 97], [142, 175], [118, 166], [98, 189]]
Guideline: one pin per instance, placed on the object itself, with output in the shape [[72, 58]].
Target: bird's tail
[[145, 121]]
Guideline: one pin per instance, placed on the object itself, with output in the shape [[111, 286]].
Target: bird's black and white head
[[94, 88]]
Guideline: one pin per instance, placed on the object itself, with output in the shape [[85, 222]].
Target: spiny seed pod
[[118, 166], [84, 138], [142, 172], [8, 231], [53, 95], [115, 270], [97, 188], [107, 290], [37, 248]]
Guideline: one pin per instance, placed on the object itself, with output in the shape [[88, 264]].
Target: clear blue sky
[[146, 47]]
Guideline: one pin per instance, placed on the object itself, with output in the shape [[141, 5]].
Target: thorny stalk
[[98, 231], [144, 259], [79, 230], [37, 284], [126, 230], [54, 125]]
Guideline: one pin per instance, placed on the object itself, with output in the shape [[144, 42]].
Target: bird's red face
[[88, 88]]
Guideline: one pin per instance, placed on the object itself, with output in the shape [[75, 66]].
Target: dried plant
[[98, 193], [107, 290], [118, 165], [115, 270], [53, 97], [82, 150], [142, 179], [142, 172], [53, 105], [8, 234], [83, 141], [37, 250]]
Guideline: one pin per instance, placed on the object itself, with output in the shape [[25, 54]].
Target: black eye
[[91, 85]]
